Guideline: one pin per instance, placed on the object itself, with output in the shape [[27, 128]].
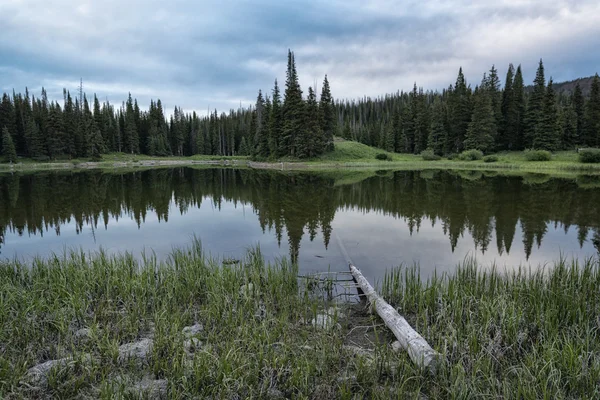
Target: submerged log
[[418, 349]]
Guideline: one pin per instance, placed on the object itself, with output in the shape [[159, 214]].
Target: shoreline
[[549, 167]]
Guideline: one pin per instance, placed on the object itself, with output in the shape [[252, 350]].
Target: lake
[[383, 218]]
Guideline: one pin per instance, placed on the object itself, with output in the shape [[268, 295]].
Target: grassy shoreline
[[347, 155], [223, 330]]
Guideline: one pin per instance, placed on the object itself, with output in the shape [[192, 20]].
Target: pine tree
[[459, 113], [275, 122], [293, 134], [535, 106], [260, 131], [8, 147], [547, 134], [316, 140], [493, 86], [518, 134], [482, 128], [438, 133], [327, 115], [34, 140], [96, 144], [7, 116], [422, 123], [592, 115], [569, 138], [55, 132], [506, 128], [579, 106]]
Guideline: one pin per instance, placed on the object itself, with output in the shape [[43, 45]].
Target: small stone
[[247, 290], [38, 375], [323, 321], [273, 393], [155, 389], [396, 346], [190, 331], [82, 333], [191, 345], [358, 351], [136, 350]]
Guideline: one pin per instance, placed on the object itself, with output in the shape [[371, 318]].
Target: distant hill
[[569, 86]]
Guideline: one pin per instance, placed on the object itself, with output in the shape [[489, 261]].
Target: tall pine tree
[[547, 133], [535, 106], [8, 147], [592, 115]]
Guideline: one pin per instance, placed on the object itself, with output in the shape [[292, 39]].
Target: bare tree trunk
[[418, 349]]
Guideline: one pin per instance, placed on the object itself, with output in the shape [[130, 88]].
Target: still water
[[383, 219]]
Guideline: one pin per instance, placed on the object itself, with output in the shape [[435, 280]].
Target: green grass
[[517, 335], [529, 334], [346, 154]]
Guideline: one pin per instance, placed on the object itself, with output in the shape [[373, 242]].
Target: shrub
[[589, 155], [538, 155], [382, 156], [451, 156], [470, 155], [429, 155], [489, 159]]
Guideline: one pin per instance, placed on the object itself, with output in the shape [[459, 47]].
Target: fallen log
[[418, 349]]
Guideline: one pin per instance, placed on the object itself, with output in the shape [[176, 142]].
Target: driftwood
[[418, 349]]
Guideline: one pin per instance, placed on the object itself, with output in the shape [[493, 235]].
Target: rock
[[261, 312], [247, 290], [359, 352], [273, 393], [38, 375], [136, 350], [191, 345], [193, 330], [322, 321], [396, 346], [83, 333], [335, 312], [325, 321], [154, 389]]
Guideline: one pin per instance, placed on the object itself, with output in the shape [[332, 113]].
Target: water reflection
[[391, 217]]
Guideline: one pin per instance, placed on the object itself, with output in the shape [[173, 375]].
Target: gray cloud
[[201, 54]]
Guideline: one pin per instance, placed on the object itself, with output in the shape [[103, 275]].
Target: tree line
[[274, 127], [489, 117]]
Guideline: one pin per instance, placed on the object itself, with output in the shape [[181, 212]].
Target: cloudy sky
[[200, 54]]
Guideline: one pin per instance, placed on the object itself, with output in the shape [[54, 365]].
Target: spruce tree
[[260, 131], [579, 106], [493, 86], [592, 115], [518, 134], [275, 122], [315, 141], [482, 128], [547, 134], [438, 133], [34, 140], [459, 113], [293, 133], [8, 147], [508, 109], [535, 106], [327, 115], [569, 139]]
